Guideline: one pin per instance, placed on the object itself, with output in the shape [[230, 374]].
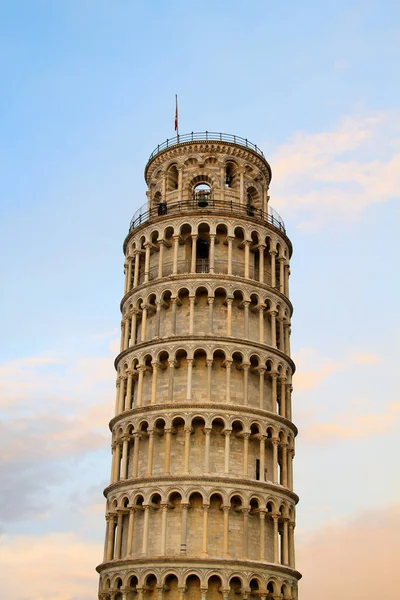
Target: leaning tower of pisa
[[200, 504]]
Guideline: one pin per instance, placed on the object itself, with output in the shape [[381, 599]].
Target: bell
[[228, 180], [202, 201]]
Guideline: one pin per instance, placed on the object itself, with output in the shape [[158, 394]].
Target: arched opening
[[193, 588], [149, 589], [202, 194], [214, 591], [172, 178], [171, 591], [174, 523], [215, 526]]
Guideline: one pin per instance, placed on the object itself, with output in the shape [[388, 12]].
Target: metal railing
[[204, 136], [144, 214]]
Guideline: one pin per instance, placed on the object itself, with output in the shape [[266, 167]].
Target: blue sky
[[87, 92]]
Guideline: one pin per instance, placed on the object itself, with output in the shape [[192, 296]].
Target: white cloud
[[336, 174]]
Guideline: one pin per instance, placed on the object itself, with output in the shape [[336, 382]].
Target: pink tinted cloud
[[351, 560], [336, 174], [57, 566], [351, 425]]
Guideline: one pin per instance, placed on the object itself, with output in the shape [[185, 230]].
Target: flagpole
[[176, 116]]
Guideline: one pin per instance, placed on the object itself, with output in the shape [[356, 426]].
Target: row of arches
[[183, 445], [206, 525], [206, 310], [226, 177], [196, 584], [206, 247], [203, 375]]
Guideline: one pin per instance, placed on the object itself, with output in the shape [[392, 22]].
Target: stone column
[[282, 407], [209, 379], [284, 479], [118, 392], [158, 319], [229, 315], [121, 401], [287, 274], [145, 540], [154, 383], [227, 433], [136, 437], [117, 461], [194, 248], [246, 259], [275, 443], [191, 314], [281, 335], [245, 547], [188, 431], [228, 365], [261, 309], [261, 387], [118, 543], [110, 537], [167, 468], [174, 301], [286, 338], [275, 518], [189, 379], [290, 468], [184, 528], [292, 562], [144, 323], [246, 454], [285, 543], [125, 448], [281, 274], [245, 367], [150, 453], [207, 432], [262, 457], [130, 531], [136, 268], [160, 258], [113, 459], [261, 249], [121, 346], [210, 314], [126, 277], [262, 535], [205, 530], [126, 332], [147, 263], [133, 327], [171, 364], [164, 514], [273, 314], [175, 257], [273, 254], [128, 397], [230, 240], [246, 305], [225, 551], [274, 377], [141, 369], [212, 252]]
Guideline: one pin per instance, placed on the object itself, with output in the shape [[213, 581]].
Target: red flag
[[176, 114]]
